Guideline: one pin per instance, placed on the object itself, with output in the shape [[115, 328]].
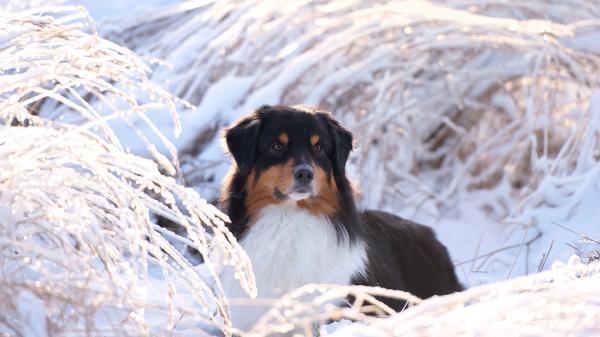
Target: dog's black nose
[[303, 174]]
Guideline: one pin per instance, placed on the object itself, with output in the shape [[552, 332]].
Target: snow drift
[[560, 302]]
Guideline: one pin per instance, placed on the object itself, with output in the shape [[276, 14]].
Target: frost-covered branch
[[53, 59], [314, 305], [79, 252]]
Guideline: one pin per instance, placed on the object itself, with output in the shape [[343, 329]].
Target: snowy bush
[[80, 253]]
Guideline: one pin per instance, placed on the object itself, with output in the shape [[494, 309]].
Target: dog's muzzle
[[303, 177]]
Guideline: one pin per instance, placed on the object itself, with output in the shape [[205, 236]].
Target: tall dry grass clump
[[79, 252]]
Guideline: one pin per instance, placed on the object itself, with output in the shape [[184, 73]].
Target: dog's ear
[[241, 139], [342, 142]]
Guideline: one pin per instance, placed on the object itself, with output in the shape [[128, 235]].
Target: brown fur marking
[[284, 138], [259, 190], [314, 139]]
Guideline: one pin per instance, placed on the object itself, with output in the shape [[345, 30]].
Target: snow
[[555, 307], [480, 120], [32, 314], [106, 10]]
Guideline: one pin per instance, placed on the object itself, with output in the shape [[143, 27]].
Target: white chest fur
[[289, 247]]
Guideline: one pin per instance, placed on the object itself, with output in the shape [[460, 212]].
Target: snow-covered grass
[[479, 118], [80, 253], [560, 302], [452, 100], [78, 242]]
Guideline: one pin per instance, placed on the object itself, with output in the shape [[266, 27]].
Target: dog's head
[[290, 154]]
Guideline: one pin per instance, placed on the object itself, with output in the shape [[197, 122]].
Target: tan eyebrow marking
[[314, 139], [284, 138]]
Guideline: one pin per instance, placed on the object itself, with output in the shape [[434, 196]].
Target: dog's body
[[292, 209]]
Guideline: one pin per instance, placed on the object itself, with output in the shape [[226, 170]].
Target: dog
[[293, 210]]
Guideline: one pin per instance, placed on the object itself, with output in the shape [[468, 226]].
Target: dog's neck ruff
[[289, 247]]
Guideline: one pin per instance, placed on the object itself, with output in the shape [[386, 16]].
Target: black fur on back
[[406, 256]]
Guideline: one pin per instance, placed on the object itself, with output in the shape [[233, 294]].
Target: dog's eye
[[276, 146], [318, 147]]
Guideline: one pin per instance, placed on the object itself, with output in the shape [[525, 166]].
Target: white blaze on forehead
[[289, 247]]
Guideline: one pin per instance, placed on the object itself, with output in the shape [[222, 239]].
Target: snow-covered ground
[[480, 119]]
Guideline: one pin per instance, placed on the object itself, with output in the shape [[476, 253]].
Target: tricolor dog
[[293, 211]]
